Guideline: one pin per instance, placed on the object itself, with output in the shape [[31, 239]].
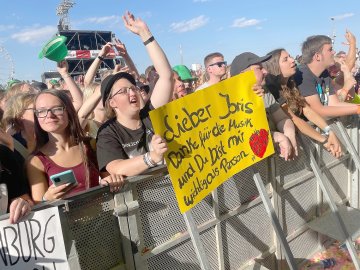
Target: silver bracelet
[[146, 160], [150, 159]]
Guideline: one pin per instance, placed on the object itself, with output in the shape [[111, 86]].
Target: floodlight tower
[[62, 11], [333, 30]]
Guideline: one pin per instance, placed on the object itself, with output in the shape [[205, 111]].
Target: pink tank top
[[52, 168]]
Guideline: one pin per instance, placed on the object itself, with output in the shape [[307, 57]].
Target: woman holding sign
[[126, 144], [279, 81]]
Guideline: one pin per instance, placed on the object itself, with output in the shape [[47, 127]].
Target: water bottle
[[323, 264]]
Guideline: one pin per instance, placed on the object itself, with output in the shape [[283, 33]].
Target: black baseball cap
[[245, 60]]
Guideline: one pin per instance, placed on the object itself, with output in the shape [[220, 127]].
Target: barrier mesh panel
[[299, 205], [305, 245], [246, 236], [240, 189], [338, 181], [181, 257], [287, 171], [92, 224], [159, 212]]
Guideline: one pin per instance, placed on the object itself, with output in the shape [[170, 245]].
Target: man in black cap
[[286, 137]]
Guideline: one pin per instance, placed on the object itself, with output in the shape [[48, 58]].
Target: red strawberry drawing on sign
[[259, 141]]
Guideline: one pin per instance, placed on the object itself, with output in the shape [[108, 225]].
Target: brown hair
[[73, 130], [279, 86]]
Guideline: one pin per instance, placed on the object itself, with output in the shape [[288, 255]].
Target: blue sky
[[199, 26]]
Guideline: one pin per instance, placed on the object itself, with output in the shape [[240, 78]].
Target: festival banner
[[34, 243], [212, 134]]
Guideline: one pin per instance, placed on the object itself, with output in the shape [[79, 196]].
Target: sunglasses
[[219, 64]]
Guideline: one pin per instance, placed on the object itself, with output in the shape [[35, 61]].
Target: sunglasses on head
[[219, 64]]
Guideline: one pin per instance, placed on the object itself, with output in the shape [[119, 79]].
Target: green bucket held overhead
[[55, 49]]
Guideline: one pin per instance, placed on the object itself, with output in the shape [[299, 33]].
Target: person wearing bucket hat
[[184, 73], [55, 49], [280, 82], [281, 126], [179, 87], [126, 143], [215, 68], [53, 84]]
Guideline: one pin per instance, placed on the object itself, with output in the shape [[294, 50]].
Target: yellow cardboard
[[208, 135]]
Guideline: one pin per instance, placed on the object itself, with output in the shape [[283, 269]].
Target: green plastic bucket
[[55, 49]]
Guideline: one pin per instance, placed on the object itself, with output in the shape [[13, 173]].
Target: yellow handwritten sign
[[212, 134]]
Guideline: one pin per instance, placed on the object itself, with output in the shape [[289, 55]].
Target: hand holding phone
[[66, 177]]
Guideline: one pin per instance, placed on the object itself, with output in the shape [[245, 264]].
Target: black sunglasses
[[219, 64]]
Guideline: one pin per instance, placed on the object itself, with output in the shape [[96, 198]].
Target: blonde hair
[[16, 89], [15, 108]]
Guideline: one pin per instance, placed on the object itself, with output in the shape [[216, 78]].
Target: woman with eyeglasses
[[60, 146], [279, 81], [126, 144]]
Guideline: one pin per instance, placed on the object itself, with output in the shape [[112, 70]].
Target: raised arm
[[76, 93], [120, 47], [351, 55], [162, 91], [88, 106], [90, 74]]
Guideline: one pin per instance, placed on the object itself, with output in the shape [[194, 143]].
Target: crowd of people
[[102, 131]]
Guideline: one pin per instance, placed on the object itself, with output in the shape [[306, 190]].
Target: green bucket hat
[[54, 82], [184, 73], [11, 83], [55, 49]]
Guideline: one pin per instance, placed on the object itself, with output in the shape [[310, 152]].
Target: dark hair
[[279, 86]]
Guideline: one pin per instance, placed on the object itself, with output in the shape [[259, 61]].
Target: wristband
[[151, 39], [66, 76], [327, 130], [101, 58]]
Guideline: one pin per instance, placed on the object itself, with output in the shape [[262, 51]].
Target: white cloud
[[243, 22], [35, 35], [201, 1], [343, 16], [190, 25], [102, 19], [6, 27]]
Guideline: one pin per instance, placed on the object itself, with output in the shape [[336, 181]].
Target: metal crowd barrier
[[141, 227]]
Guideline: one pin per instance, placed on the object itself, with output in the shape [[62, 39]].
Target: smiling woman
[[60, 146]]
